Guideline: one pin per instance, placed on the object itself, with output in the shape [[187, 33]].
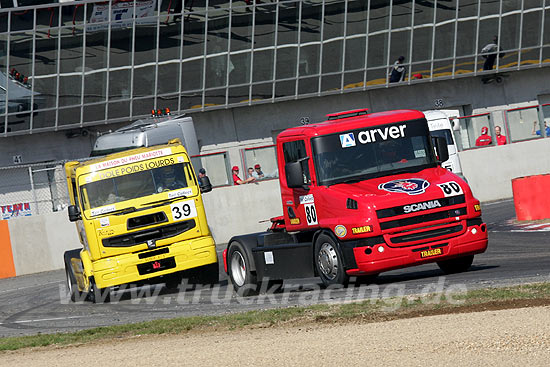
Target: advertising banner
[[16, 210], [122, 14]]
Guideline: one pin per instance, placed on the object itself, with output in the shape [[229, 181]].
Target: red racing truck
[[361, 194]]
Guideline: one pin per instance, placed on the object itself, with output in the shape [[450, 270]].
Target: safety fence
[[32, 189]]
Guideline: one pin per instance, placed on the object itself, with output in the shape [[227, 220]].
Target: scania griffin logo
[[422, 206], [410, 186]]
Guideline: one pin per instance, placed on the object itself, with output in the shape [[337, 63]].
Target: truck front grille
[[423, 218], [434, 233], [157, 233]]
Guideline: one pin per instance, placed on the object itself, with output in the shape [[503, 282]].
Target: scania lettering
[[421, 206], [361, 194], [140, 219]]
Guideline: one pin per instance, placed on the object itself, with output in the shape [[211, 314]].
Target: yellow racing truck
[[141, 220]]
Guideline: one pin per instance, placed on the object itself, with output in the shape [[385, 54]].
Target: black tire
[[206, 275], [98, 295], [173, 281], [275, 286], [70, 279], [457, 265], [329, 261], [243, 279]]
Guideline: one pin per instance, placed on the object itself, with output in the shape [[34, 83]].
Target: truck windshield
[[373, 152], [139, 184], [444, 133]]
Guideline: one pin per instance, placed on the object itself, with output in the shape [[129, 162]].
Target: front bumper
[[378, 258], [135, 267]]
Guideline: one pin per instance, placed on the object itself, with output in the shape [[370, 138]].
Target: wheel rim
[[69, 283], [238, 268], [328, 261]]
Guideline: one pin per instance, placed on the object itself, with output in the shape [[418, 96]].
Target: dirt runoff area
[[513, 337]]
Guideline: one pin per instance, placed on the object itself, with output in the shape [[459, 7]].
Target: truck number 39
[[311, 214], [184, 209]]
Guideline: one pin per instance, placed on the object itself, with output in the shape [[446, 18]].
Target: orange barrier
[[7, 267], [531, 197]]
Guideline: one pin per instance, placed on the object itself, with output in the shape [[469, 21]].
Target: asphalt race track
[[38, 303]]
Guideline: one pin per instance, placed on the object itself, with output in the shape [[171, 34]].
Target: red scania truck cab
[[361, 194]]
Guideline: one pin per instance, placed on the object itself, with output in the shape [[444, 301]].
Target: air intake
[[351, 204]]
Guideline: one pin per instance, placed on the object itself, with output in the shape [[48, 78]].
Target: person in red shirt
[[236, 178], [501, 139], [484, 138]]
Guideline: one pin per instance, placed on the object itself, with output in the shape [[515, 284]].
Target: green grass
[[361, 311]]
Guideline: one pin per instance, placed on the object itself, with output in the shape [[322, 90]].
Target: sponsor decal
[[422, 206], [347, 140], [103, 210], [268, 257], [106, 232], [373, 135], [294, 221], [104, 222], [410, 186], [363, 229], [131, 159], [180, 193], [138, 167], [430, 253], [306, 199], [370, 136], [340, 231]]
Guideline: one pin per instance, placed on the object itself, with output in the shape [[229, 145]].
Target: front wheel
[[329, 262], [244, 281], [457, 265], [99, 295], [72, 286]]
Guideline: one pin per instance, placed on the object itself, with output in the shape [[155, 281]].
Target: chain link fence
[[32, 190]]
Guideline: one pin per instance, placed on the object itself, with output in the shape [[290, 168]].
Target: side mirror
[[74, 213], [441, 149], [294, 175], [204, 184]]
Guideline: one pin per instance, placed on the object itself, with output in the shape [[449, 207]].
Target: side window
[[293, 152]]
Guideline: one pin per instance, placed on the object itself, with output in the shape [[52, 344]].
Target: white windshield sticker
[[420, 153], [131, 159], [180, 193], [103, 210], [306, 199]]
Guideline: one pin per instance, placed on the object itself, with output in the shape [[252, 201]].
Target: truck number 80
[[311, 214]]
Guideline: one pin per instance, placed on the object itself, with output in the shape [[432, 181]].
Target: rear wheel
[[244, 281], [457, 265], [329, 261]]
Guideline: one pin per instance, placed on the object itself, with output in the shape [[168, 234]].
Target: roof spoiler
[[347, 114]]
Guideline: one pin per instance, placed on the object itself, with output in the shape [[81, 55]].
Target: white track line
[[41, 320]]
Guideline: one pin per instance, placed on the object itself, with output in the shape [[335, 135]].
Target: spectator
[[398, 71], [537, 132], [202, 173], [250, 172], [489, 52], [501, 139], [258, 174], [484, 138], [236, 178], [417, 76]]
